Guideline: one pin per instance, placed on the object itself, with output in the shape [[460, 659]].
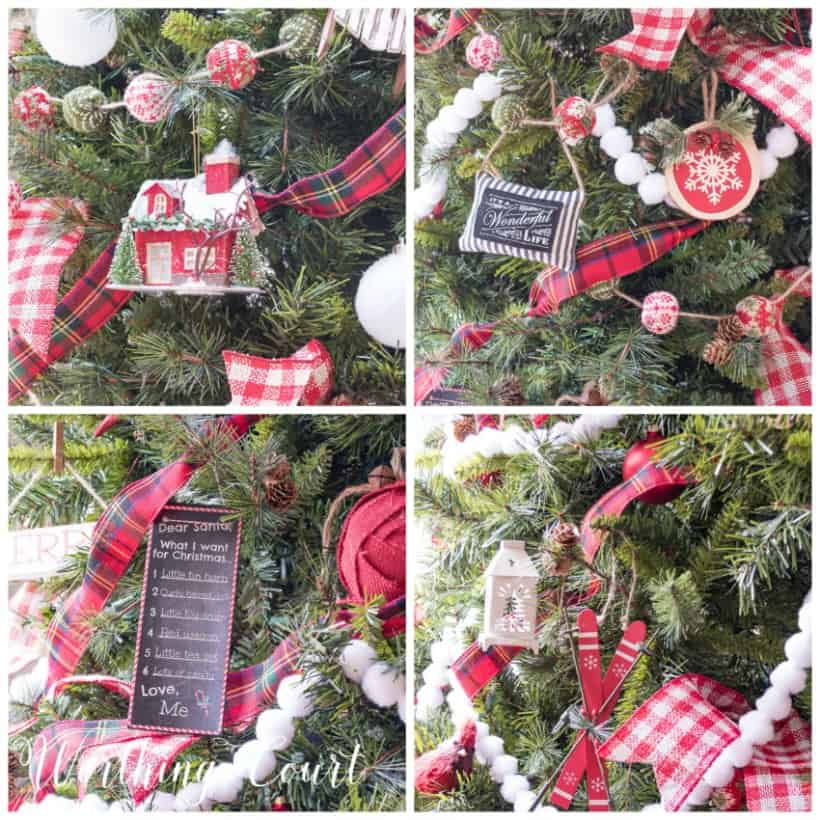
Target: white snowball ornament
[[76, 37], [523, 801], [380, 298], [513, 785], [467, 103], [488, 749], [435, 675], [441, 653], [439, 137], [383, 685], [275, 729], [222, 783], [630, 168], [788, 677], [756, 728], [487, 87], [254, 761], [604, 120], [451, 120], [293, 696], [502, 766], [616, 142], [356, 658], [652, 189], [429, 699], [798, 649], [768, 163], [781, 142]]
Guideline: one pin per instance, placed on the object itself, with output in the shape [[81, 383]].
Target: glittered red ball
[[637, 457], [370, 555], [575, 118], [484, 52], [231, 63]]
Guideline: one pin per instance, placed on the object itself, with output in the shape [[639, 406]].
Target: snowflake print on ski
[[717, 176]]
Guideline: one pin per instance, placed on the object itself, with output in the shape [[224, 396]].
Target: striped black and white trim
[[492, 195]]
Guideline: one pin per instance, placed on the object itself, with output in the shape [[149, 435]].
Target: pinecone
[[564, 535], [280, 490], [380, 477], [559, 556], [650, 149], [718, 352], [730, 329], [592, 395], [464, 427], [508, 391]]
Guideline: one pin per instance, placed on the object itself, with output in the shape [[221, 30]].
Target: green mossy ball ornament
[[302, 32], [508, 113], [82, 109]]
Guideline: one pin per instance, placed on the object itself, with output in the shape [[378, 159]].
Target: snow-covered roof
[[195, 201]]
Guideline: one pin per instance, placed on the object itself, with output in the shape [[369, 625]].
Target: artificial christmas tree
[[148, 95], [687, 567], [293, 702], [693, 167]]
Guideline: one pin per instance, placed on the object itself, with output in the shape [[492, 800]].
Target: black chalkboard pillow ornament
[[371, 549]]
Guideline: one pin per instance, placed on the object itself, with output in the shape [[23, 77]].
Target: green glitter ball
[[508, 112], [602, 291], [81, 109], [302, 32]]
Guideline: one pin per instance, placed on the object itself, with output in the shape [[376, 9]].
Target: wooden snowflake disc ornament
[[718, 174]]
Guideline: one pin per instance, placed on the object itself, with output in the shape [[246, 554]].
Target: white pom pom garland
[[616, 142], [652, 189], [356, 658], [630, 168], [383, 685]]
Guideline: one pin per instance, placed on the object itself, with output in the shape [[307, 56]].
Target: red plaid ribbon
[[116, 539], [87, 307], [428, 40], [785, 363], [779, 76], [372, 168], [36, 261], [144, 755], [609, 257], [304, 378], [475, 668], [687, 723]]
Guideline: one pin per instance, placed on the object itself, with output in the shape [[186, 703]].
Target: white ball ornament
[[604, 120], [774, 703], [383, 685], [652, 189], [487, 87], [513, 785], [254, 761], [441, 653], [439, 137], [275, 729], [789, 677], [451, 120], [435, 675], [380, 299], [630, 168], [798, 649], [222, 783], [616, 142], [782, 141], [467, 103], [293, 696], [523, 801], [489, 748], [428, 699], [356, 658], [740, 752], [502, 766], [482, 730], [76, 37], [768, 163], [756, 728]]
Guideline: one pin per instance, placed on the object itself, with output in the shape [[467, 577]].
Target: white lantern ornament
[[510, 599]]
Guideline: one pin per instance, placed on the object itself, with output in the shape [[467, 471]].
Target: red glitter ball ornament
[[637, 457], [484, 52], [575, 118], [231, 63], [370, 554], [34, 108]]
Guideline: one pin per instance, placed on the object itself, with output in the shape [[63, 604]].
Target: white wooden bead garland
[[275, 729], [442, 133]]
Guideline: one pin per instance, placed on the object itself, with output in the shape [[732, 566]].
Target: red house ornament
[[180, 235]]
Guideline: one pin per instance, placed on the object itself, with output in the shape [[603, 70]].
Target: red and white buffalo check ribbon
[[37, 256], [687, 723], [785, 363], [778, 75], [304, 378]]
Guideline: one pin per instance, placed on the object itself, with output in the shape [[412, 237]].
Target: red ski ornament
[[600, 694], [717, 176]]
